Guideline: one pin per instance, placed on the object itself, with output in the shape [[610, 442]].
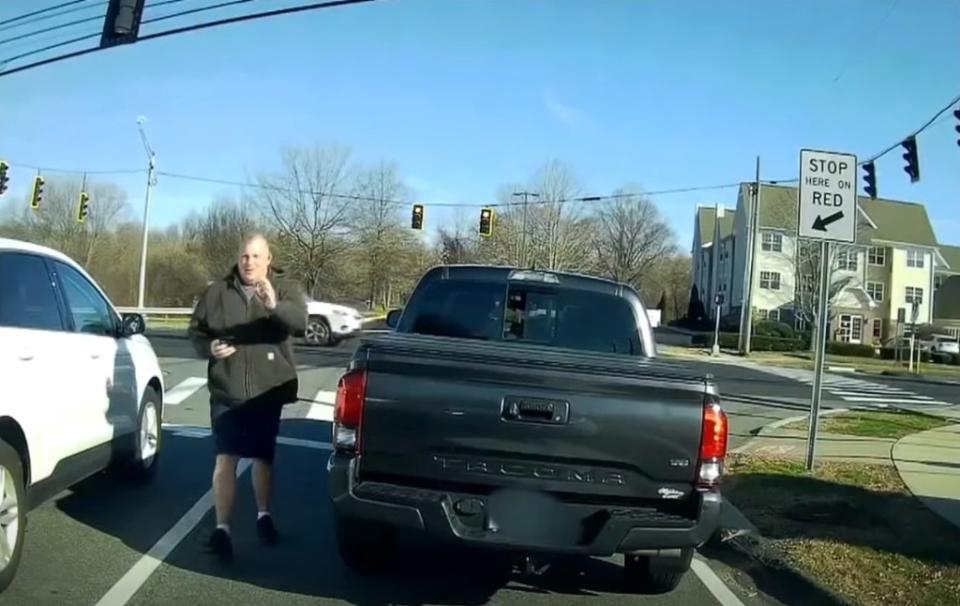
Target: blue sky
[[465, 96]]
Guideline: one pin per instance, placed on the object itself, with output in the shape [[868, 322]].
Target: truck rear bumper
[[525, 521]]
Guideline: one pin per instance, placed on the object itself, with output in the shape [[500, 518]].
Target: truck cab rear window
[[540, 314]]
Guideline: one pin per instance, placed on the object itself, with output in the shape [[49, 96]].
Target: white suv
[[80, 388], [328, 323]]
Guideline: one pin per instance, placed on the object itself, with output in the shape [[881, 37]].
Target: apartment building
[[713, 224], [892, 265], [946, 295]]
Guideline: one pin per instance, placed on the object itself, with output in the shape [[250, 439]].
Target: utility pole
[[151, 181], [746, 308], [522, 253]]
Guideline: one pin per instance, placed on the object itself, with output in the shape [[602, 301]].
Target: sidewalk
[[929, 464]]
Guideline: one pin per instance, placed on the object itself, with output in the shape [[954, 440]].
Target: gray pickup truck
[[526, 411]]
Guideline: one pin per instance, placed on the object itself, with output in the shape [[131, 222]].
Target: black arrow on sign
[[820, 224]]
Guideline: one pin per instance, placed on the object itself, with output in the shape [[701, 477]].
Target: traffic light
[[4, 179], [486, 222], [83, 209], [870, 179], [416, 219], [913, 160], [956, 114], [37, 195], [122, 24]]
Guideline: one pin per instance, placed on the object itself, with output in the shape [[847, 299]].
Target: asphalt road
[[108, 543]]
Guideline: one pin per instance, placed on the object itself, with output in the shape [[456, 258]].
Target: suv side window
[[90, 311], [27, 298]]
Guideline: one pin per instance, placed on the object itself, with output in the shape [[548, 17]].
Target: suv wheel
[[318, 332], [141, 465], [12, 513], [364, 546], [656, 574]]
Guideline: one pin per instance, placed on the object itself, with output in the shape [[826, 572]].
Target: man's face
[[254, 261]]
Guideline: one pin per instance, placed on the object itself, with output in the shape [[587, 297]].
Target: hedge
[[850, 349], [767, 328]]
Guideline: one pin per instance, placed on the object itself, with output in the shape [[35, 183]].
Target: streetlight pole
[[522, 254], [151, 181]]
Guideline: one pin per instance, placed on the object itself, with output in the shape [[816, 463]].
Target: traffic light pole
[[746, 307]]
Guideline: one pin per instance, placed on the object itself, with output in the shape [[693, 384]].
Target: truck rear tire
[[656, 574], [366, 547]]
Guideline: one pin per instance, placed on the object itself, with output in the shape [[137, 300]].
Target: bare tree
[[304, 204], [630, 238], [559, 234], [379, 230], [215, 235]]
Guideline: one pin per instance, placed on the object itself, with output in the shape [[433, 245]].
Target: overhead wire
[[43, 11], [170, 32]]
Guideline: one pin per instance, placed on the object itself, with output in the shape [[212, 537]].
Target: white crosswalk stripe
[[321, 409], [183, 390], [859, 391]]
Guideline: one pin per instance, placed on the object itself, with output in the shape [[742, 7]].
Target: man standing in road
[[244, 325]]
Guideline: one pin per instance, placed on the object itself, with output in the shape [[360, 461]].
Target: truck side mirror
[[393, 317]]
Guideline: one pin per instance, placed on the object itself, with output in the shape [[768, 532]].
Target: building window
[[799, 323], [807, 283], [875, 290], [877, 256], [914, 295], [847, 260], [954, 332], [851, 329], [770, 280], [877, 328], [915, 258], [773, 315], [772, 242]]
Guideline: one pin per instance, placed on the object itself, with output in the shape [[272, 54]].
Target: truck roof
[[509, 273]]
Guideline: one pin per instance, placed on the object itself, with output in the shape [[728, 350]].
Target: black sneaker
[[267, 531], [220, 544]]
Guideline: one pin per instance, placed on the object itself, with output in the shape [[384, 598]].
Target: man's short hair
[[254, 235]]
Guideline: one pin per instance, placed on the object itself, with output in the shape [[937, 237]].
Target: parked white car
[[328, 323], [80, 388]]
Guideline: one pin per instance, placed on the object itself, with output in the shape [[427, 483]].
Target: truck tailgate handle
[[535, 410]]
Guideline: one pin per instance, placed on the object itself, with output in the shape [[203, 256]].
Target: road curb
[[767, 554]]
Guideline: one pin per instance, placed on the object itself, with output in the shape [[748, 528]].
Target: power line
[[73, 171], [925, 126], [53, 16], [39, 32], [192, 11], [250, 17], [42, 11], [47, 48], [170, 32], [583, 199]]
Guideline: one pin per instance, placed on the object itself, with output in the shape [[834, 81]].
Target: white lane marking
[[183, 390], [322, 407], [304, 443], [877, 394], [893, 400], [131, 582], [195, 431], [713, 583]]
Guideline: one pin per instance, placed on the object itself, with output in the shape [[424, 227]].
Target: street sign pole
[[826, 211], [718, 301], [821, 346]]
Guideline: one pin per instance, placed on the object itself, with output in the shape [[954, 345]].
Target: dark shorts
[[248, 430]]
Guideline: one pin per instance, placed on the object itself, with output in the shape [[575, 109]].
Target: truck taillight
[[713, 443], [348, 411]]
